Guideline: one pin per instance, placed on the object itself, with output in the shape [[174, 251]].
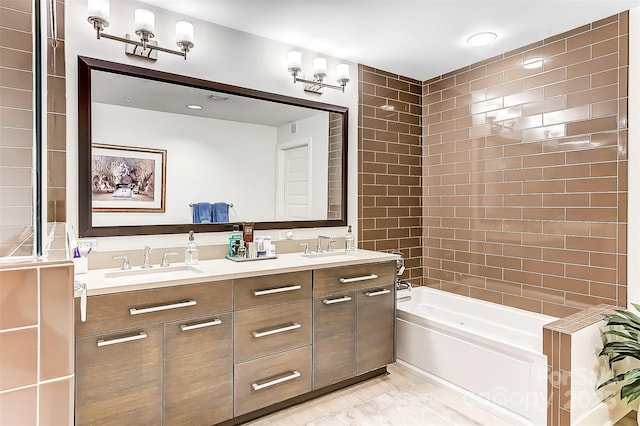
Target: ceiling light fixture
[[294, 64], [98, 16], [481, 39]]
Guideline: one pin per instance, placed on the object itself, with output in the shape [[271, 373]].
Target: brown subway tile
[[56, 316], [567, 115], [568, 58], [604, 245], [591, 273], [602, 63], [17, 40], [56, 402], [16, 59], [597, 94], [19, 407], [19, 354], [18, 298], [523, 303], [592, 36], [592, 185], [545, 295], [565, 284]]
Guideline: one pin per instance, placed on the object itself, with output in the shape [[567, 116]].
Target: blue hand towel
[[202, 213], [221, 212]]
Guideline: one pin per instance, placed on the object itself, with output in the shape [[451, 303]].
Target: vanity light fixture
[[294, 64], [99, 14], [481, 39]]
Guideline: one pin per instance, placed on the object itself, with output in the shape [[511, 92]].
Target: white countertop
[[99, 282]]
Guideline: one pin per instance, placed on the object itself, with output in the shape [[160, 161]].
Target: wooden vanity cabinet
[[353, 330], [119, 378], [198, 371], [165, 360], [272, 339]]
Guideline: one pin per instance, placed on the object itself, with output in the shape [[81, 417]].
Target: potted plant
[[621, 338]]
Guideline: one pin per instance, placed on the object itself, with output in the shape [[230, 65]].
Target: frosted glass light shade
[[294, 61], [99, 10], [320, 67], [342, 72], [185, 33], [145, 21]]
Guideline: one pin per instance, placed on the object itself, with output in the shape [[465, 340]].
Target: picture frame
[[127, 179]]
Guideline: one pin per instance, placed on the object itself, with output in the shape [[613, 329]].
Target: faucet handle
[[125, 262], [306, 248], [165, 260], [330, 245]]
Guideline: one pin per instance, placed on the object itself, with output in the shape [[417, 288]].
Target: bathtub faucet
[[403, 285]]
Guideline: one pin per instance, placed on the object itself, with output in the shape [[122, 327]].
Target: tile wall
[[36, 343], [390, 167], [525, 182], [16, 125], [335, 166]]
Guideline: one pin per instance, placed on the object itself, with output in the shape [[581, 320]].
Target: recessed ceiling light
[[481, 39], [193, 106], [532, 63]]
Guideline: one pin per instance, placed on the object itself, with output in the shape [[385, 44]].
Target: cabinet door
[[198, 371], [119, 378], [376, 325], [334, 338]]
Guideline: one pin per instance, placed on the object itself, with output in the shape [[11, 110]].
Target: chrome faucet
[[319, 246], [147, 262], [403, 285]]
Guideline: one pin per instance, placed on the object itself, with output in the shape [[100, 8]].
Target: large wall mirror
[[161, 153]]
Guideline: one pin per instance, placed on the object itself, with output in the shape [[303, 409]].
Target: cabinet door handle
[[263, 333], [293, 375], [187, 327], [338, 300], [141, 335], [82, 288], [276, 290], [356, 279], [138, 311], [377, 292]]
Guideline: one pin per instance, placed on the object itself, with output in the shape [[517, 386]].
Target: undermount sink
[[158, 272], [327, 254]]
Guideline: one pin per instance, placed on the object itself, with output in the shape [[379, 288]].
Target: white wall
[[220, 54], [188, 141]]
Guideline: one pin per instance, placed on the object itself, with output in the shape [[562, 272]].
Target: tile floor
[[402, 397]]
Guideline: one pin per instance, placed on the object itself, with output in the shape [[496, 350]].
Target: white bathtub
[[491, 351]]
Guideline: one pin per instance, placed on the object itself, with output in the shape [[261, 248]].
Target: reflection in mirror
[[159, 152]]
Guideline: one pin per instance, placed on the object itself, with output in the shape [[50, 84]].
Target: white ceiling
[[420, 39]]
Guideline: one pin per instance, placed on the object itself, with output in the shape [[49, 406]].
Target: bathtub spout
[[403, 285]]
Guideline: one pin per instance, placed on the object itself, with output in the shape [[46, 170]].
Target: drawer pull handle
[[141, 335], [356, 279], [377, 293], [276, 290], [290, 327], [293, 375], [338, 300], [138, 311], [187, 327]]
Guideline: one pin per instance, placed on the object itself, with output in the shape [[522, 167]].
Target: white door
[[296, 195]]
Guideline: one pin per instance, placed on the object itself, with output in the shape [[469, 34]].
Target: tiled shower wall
[[390, 167], [16, 125], [525, 182]]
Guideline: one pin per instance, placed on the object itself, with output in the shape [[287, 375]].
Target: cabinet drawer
[[334, 338], [137, 308], [271, 379], [268, 329], [270, 289], [345, 278], [198, 371], [119, 378], [376, 326]]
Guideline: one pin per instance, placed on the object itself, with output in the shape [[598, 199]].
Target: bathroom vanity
[[225, 342]]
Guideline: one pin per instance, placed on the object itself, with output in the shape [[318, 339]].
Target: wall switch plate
[[286, 234], [86, 244]]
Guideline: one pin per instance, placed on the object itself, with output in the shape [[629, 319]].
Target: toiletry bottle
[[191, 251], [349, 240], [242, 250]]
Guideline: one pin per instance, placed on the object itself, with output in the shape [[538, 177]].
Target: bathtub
[[491, 353]]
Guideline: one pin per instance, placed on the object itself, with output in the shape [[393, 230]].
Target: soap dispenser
[[349, 240], [191, 251]]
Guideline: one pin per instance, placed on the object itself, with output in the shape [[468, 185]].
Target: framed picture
[[127, 179]]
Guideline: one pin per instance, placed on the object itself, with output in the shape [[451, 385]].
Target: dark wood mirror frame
[[86, 228]]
